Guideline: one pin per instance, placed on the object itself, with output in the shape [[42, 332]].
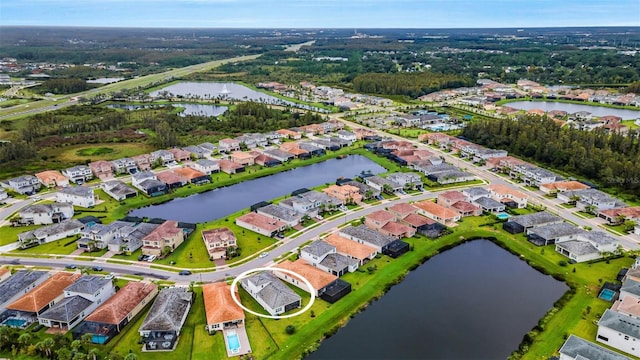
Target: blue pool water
[[607, 294], [233, 342], [503, 216], [15, 322]]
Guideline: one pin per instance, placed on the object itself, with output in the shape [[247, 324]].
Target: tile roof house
[[352, 249], [397, 230], [619, 215], [81, 196], [221, 311], [465, 208], [143, 162], [562, 186], [78, 174], [577, 348], [439, 213], [43, 214], [80, 299], [147, 182], [217, 241], [172, 179], [401, 210], [101, 169], [113, 315], [166, 236], [18, 285], [260, 223], [180, 155], [379, 218], [271, 293], [49, 233], [242, 158], [39, 299], [508, 196], [118, 190], [629, 306], [52, 178], [193, 176], [364, 235], [281, 213], [319, 279], [448, 198], [619, 331], [230, 167], [345, 193], [25, 184], [160, 330]]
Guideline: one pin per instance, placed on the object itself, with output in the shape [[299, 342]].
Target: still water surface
[[574, 108]]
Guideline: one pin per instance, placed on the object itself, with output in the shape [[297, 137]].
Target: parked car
[[151, 258], [143, 257], [110, 276], [264, 254], [184, 272], [97, 268], [71, 266]]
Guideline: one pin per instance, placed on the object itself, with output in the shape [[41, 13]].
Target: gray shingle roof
[[577, 347], [488, 203], [337, 262], [88, 284], [476, 191], [600, 237], [577, 247], [77, 191], [365, 234], [168, 310], [556, 230], [318, 248], [621, 323], [281, 212], [275, 293], [18, 282], [45, 231], [536, 219], [631, 286], [67, 309]]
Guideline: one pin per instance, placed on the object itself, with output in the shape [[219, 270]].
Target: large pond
[[223, 90], [225, 201], [201, 110], [574, 108], [475, 301]]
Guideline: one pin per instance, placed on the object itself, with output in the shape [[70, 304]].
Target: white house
[[619, 331], [206, 166], [271, 293], [589, 245], [42, 214], [81, 196], [577, 348], [50, 233], [347, 135], [26, 184], [78, 174]]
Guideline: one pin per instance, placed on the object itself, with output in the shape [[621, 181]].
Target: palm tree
[[93, 353], [47, 346], [24, 339], [131, 356]]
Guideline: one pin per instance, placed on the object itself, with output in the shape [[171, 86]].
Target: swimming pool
[[15, 322], [503, 216], [607, 294], [233, 342]]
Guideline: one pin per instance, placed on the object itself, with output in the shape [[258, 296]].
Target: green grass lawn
[[62, 247]]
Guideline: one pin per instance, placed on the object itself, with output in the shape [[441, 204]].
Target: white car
[[110, 276], [151, 258], [264, 254]]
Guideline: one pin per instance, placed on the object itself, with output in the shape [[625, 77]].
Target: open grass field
[[109, 151]]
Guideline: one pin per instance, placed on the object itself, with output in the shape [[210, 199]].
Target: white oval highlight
[[235, 281]]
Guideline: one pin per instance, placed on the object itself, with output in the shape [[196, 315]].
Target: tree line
[[410, 84], [612, 160]]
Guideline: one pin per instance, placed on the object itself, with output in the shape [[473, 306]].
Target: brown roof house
[[222, 312], [166, 237], [345, 193], [325, 285], [230, 167], [261, 224], [439, 213], [52, 178], [101, 169], [24, 311], [355, 250], [112, 316], [218, 242]]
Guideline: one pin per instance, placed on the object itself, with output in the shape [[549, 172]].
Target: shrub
[[290, 329]]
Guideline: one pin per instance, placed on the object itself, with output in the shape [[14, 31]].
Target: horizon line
[[322, 28]]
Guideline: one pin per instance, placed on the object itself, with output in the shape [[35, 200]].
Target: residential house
[[261, 224], [110, 318], [166, 237], [180, 155], [490, 205], [43, 214], [577, 348], [347, 135], [629, 306], [619, 332], [221, 310], [206, 166], [3, 194], [81, 196], [242, 158], [163, 157], [128, 237], [101, 169], [172, 179], [218, 242], [289, 134], [534, 175], [124, 166], [521, 223], [208, 147], [230, 167], [508, 196], [196, 151], [347, 194], [160, 330], [352, 249], [323, 284], [228, 145], [562, 186], [465, 209], [281, 213], [630, 288], [49, 233], [148, 183], [193, 176], [379, 218], [439, 213], [52, 178], [253, 140], [118, 190], [143, 162], [80, 299], [25, 184], [407, 180], [448, 198], [325, 257], [78, 174], [264, 160], [402, 210], [381, 184], [588, 245], [278, 154], [590, 199], [97, 236], [367, 236], [310, 202], [18, 285], [24, 311], [553, 233], [451, 177], [271, 293], [312, 149], [365, 190], [619, 215]]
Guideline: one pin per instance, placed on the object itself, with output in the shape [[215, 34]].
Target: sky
[[321, 13]]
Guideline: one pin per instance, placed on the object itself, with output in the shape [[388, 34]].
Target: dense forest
[[63, 86], [612, 160], [411, 84]]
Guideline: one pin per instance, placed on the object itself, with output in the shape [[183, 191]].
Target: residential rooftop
[[219, 305], [363, 233], [581, 349], [45, 293], [621, 323], [88, 284], [120, 305], [536, 219], [168, 310], [318, 248], [275, 293], [349, 247], [18, 282], [281, 212], [67, 309], [315, 276], [556, 230]]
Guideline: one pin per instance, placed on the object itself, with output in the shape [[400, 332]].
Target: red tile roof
[[114, 310], [452, 196], [261, 221], [44, 293], [417, 220], [465, 207], [437, 210], [219, 305], [628, 212], [189, 173], [381, 216], [349, 247], [167, 229], [170, 177], [315, 276], [403, 209], [397, 229]]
